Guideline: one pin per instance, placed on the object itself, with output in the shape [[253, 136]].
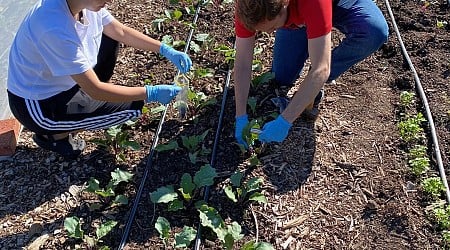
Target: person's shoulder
[[48, 14]]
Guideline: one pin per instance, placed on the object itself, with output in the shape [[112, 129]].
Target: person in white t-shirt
[[60, 63]]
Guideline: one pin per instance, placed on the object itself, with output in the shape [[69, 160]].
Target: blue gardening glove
[[161, 93], [276, 130], [241, 122], [180, 59]]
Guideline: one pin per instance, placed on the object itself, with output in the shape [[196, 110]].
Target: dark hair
[[253, 12]]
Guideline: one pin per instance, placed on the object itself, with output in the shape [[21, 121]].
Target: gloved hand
[[161, 93], [180, 59], [241, 122], [276, 130]]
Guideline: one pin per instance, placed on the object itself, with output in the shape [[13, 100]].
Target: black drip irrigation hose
[[425, 103], [152, 152], [214, 151]]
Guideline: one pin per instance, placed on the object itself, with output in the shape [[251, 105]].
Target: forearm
[[116, 93], [89, 83], [305, 95], [243, 73], [131, 37]]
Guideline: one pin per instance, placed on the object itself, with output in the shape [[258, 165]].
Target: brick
[[9, 133]]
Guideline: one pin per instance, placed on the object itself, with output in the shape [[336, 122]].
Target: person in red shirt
[[303, 30]]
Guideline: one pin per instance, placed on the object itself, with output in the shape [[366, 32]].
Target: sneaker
[[312, 113], [69, 147]]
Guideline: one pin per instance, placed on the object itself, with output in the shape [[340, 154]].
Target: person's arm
[[319, 50], [102, 91], [131, 37], [243, 72]]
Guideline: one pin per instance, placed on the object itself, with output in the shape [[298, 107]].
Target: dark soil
[[342, 182]]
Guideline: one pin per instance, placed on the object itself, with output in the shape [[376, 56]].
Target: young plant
[[118, 140], [182, 239], [241, 192], [188, 189], [73, 227], [442, 216], [108, 191], [418, 160], [195, 147], [433, 186], [230, 53], [210, 218], [252, 245], [262, 79], [406, 98], [410, 128]]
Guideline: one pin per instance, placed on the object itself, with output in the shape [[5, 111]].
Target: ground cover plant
[[343, 182]]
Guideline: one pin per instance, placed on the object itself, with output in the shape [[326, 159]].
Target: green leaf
[[205, 176], [105, 228], [236, 178], [194, 47], [209, 217], [114, 130], [258, 197], [163, 194], [121, 199], [175, 205], [120, 175], [162, 225], [253, 184], [185, 237], [133, 145], [187, 186], [73, 227], [176, 14], [167, 147], [93, 185], [158, 109], [193, 157], [229, 193], [105, 193], [202, 37], [235, 230], [263, 79], [251, 245]]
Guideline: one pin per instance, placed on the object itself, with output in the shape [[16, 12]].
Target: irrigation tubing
[[148, 165], [419, 88], [214, 151]]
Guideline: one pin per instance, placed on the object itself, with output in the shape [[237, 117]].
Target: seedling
[[195, 147], [230, 53], [418, 160], [117, 140], [406, 98], [182, 239], [241, 192], [419, 165], [442, 216], [189, 188], [117, 177], [252, 245], [73, 227], [433, 186], [210, 218], [252, 102], [262, 79], [410, 128]]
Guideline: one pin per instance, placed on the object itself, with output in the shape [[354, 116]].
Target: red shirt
[[314, 14]]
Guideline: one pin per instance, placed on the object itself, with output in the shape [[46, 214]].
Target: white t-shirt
[[51, 45]]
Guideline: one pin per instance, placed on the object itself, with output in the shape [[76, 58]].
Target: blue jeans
[[365, 30]]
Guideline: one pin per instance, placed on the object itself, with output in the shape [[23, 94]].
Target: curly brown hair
[[253, 12]]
